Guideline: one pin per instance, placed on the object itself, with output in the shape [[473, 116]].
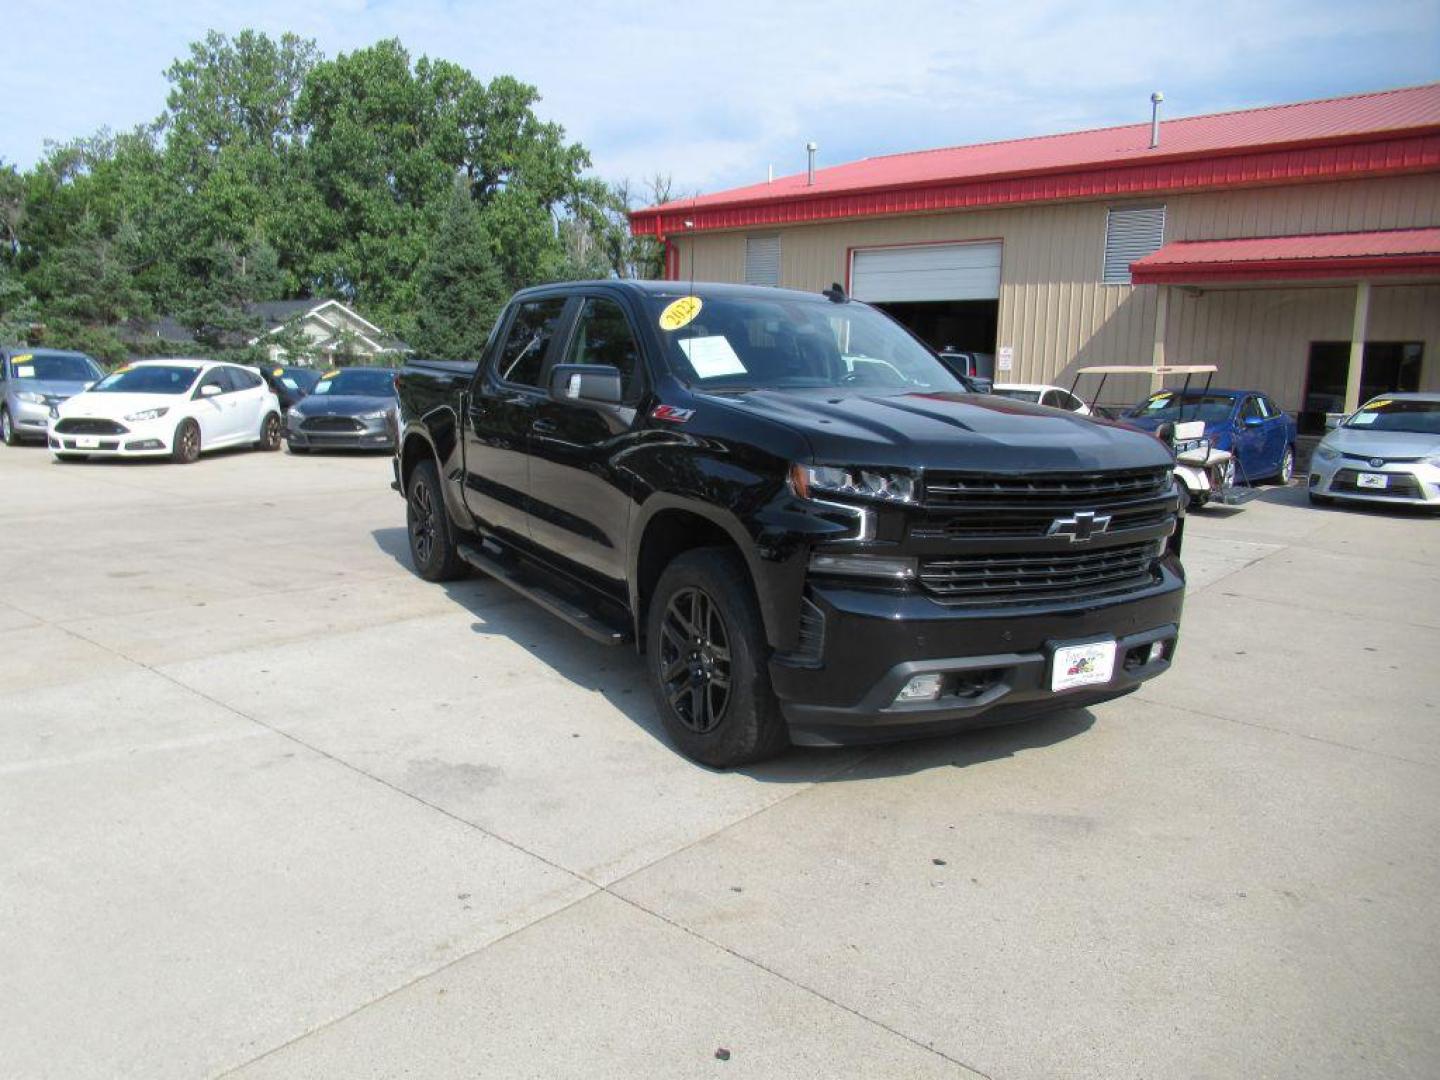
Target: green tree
[[88, 289], [218, 314], [461, 290]]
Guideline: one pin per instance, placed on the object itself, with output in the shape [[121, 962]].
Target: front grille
[[1069, 490], [332, 423], [1034, 522], [81, 426], [1368, 459], [1040, 577], [1401, 485]]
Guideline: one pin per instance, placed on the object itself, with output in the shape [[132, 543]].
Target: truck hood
[[949, 431]]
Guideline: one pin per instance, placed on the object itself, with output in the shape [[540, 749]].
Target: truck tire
[[432, 537], [705, 658]]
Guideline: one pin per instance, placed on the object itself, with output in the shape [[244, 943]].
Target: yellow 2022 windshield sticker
[[680, 312]]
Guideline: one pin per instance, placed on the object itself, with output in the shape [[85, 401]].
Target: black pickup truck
[[809, 527]]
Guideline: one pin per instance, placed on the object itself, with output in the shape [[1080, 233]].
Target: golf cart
[[1200, 469]]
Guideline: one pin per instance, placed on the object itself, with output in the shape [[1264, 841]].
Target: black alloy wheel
[[186, 450], [695, 660], [432, 542]]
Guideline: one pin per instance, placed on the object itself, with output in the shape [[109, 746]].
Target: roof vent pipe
[[810, 149], [1155, 99]]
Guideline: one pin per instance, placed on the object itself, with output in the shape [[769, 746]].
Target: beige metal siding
[[1057, 316]]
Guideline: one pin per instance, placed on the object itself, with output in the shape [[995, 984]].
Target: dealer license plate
[[1082, 665], [87, 442], [1372, 480]]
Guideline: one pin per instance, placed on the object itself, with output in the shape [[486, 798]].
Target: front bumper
[[1407, 483], [31, 420], [995, 663], [373, 435], [150, 438]]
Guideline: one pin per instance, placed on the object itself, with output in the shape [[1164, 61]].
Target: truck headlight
[[880, 485], [1326, 453], [30, 397], [147, 414]]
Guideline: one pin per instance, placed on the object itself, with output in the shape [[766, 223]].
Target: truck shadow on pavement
[[617, 674]]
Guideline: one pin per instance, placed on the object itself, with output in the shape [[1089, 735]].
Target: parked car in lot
[[810, 530], [35, 381], [290, 384], [977, 369], [1055, 397], [350, 409], [1388, 451], [179, 408], [1246, 423]]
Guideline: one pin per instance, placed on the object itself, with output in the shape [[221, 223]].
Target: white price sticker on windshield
[[24, 372], [712, 357], [1364, 418]]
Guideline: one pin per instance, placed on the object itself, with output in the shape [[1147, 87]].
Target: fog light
[[876, 566], [920, 688], [1157, 652]]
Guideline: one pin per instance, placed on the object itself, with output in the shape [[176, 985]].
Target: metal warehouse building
[[1273, 242]]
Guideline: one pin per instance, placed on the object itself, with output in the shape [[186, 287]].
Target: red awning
[[1409, 252]]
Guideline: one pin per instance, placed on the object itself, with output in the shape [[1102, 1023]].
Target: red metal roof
[[1413, 252], [1366, 134]]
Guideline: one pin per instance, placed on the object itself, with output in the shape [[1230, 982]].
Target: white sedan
[[1039, 393], [174, 408]]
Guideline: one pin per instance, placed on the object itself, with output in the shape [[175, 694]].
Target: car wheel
[[185, 450], [1187, 501], [705, 656], [1287, 467], [1227, 474], [432, 537], [7, 429], [270, 433]]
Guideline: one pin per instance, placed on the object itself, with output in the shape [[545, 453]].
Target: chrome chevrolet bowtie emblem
[[1081, 527]]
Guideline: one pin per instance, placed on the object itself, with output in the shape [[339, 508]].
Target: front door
[[579, 503], [214, 412], [501, 408]]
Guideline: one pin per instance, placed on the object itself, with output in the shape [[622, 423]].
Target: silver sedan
[[1387, 451]]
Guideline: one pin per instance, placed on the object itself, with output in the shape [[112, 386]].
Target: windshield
[[49, 367], [759, 343], [1018, 395], [301, 380], [359, 382], [1388, 414], [151, 379], [1172, 405]]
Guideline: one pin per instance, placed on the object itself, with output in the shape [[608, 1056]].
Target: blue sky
[[713, 94]]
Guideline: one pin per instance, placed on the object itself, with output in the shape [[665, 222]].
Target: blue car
[[1260, 438]]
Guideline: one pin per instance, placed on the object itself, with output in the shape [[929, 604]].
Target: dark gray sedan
[[351, 409], [35, 381]]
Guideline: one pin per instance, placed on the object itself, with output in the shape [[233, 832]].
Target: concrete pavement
[[272, 806]]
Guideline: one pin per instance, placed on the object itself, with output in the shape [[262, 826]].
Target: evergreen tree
[[461, 290]]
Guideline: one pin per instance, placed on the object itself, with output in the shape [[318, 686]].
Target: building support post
[[1157, 354], [1357, 347]]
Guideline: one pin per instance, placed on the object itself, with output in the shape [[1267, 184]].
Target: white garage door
[[927, 272]]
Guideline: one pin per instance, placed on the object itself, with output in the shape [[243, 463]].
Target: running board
[[508, 573]]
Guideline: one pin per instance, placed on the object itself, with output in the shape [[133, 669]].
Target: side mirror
[[209, 390], [1252, 421], [595, 384], [1333, 421], [87, 386]]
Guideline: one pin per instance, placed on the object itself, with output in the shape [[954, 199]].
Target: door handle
[[543, 427]]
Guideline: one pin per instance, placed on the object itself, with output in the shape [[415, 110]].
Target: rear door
[[500, 409], [579, 504]]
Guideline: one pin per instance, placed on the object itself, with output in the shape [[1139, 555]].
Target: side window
[[523, 354], [1052, 399], [1250, 409], [214, 377], [1069, 401], [1267, 408], [603, 336], [244, 380]]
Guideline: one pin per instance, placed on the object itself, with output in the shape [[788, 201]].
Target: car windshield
[[358, 382], [150, 379], [790, 342], [50, 367], [1177, 405], [301, 380], [1018, 395], [1390, 414]]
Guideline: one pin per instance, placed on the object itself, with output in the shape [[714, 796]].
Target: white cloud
[[713, 94]]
